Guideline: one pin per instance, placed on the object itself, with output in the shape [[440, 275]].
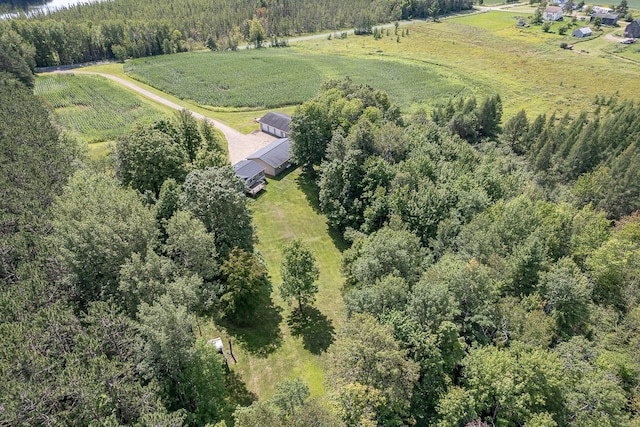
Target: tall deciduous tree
[[366, 352], [299, 274], [147, 157], [216, 197], [97, 226]]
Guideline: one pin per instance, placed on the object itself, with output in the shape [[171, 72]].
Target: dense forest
[[133, 28], [491, 269]]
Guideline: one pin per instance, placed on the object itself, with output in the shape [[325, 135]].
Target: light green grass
[[281, 213], [270, 78], [91, 107]]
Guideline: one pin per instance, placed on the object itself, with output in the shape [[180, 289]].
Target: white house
[[552, 13]]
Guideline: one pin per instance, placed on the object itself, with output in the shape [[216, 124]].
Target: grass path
[[283, 346]]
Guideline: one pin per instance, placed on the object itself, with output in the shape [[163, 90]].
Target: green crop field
[[91, 107], [479, 53], [270, 78]]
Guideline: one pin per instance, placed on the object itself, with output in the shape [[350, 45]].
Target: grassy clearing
[[271, 78], [91, 107], [281, 345], [526, 66]]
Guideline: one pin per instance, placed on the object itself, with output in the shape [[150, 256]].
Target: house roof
[[277, 120], [586, 31], [605, 15], [553, 9], [276, 154], [246, 169]]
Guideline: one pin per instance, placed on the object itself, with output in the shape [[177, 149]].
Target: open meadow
[[92, 108], [479, 53]]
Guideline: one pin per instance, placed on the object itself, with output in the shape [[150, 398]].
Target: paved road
[[240, 145]]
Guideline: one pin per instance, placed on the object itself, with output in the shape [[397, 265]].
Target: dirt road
[[240, 145]]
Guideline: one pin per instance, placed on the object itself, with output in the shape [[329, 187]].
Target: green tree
[[147, 157], [97, 225], [299, 274], [244, 281], [515, 132], [36, 163], [256, 32], [187, 127], [289, 397], [366, 352], [216, 197]]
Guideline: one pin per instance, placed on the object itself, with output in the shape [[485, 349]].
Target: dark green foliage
[[468, 120], [147, 157], [35, 164], [244, 281], [17, 57], [216, 197], [97, 225]]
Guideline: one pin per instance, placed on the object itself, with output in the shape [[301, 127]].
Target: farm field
[[281, 347], [270, 78], [92, 108], [479, 53]]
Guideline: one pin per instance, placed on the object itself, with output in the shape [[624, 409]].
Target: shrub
[[546, 27], [563, 30]]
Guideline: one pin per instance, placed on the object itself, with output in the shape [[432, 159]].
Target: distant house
[[600, 9], [610, 19], [552, 13], [582, 32], [252, 173], [275, 157], [633, 29], [276, 124]]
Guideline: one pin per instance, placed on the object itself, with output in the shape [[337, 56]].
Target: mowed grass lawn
[[92, 108], [280, 345]]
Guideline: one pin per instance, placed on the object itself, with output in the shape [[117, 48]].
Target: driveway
[[239, 144]]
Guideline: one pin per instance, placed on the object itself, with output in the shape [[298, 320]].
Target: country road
[[239, 144]]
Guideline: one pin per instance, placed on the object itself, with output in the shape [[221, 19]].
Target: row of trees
[[488, 300], [106, 30]]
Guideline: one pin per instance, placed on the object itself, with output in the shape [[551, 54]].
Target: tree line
[[489, 296], [131, 29]]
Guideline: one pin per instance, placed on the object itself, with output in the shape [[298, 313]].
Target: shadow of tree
[[315, 328], [307, 184], [261, 334]]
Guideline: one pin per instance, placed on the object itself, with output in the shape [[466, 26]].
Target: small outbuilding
[[552, 13], [600, 9], [276, 124], [633, 29], [252, 173], [582, 32], [610, 19], [274, 157]]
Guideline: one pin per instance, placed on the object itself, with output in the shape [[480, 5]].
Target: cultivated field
[[93, 108], [270, 78], [480, 53]]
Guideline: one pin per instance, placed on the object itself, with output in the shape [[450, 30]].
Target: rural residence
[[276, 124], [252, 173], [610, 19], [552, 13], [275, 157], [582, 32], [633, 29], [600, 9]]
